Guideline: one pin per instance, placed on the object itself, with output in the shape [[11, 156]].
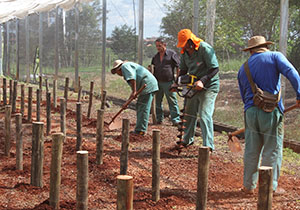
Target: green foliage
[[179, 16], [232, 65], [150, 50], [236, 21], [123, 42]]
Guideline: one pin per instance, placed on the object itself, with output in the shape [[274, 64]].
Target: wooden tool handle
[[290, 108], [237, 132], [124, 106]]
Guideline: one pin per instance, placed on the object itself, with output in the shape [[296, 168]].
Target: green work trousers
[[202, 104], [172, 101], [143, 107], [263, 144]]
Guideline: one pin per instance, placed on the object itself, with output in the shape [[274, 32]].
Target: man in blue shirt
[[136, 76], [264, 130], [165, 61]]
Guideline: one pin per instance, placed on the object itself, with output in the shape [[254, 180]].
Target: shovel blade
[[115, 125], [234, 145]]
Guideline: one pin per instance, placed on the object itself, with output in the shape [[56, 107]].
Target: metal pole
[[41, 42], [103, 45], [18, 49], [196, 17], [141, 32], [76, 44], [1, 72], [27, 48], [4, 49], [8, 50], [56, 43]]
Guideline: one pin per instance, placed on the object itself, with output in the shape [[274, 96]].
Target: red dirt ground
[[178, 181]]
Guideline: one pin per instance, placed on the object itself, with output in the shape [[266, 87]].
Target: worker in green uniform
[[199, 60], [136, 76]]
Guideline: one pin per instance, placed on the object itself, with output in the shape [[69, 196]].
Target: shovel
[[234, 143], [112, 125]]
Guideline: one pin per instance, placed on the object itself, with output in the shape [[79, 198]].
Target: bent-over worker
[[136, 76]]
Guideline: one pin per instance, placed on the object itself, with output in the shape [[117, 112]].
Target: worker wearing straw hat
[[136, 76], [199, 59], [264, 125]]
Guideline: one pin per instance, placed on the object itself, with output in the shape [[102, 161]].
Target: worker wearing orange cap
[[199, 59]]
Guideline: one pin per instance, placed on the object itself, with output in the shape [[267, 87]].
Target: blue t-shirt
[[141, 75], [265, 69]]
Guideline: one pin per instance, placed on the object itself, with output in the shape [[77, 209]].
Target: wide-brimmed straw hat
[[117, 64], [257, 41]]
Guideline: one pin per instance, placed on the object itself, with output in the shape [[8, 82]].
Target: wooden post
[[66, 91], [125, 145], [29, 113], [283, 38], [62, 116], [103, 100], [41, 86], [153, 104], [19, 142], [79, 89], [210, 21], [90, 99], [202, 184], [22, 99], [79, 94], [78, 126], [48, 97], [195, 17], [99, 136], [37, 155], [156, 165], [124, 192], [38, 105], [7, 128], [265, 192], [14, 97], [4, 92], [82, 180], [54, 93], [77, 84], [153, 110], [55, 172], [10, 91], [47, 85]]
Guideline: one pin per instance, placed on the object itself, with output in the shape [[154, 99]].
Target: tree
[[236, 22], [123, 42]]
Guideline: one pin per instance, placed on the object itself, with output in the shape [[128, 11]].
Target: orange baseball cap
[[184, 35]]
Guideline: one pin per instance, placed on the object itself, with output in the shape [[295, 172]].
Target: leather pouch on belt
[[265, 100]]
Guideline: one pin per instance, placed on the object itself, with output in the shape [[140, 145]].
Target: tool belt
[[262, 99]]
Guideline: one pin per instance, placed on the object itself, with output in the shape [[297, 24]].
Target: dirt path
[[178, 172]]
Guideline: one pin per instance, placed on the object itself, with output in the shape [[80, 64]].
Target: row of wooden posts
[[124, 181]]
